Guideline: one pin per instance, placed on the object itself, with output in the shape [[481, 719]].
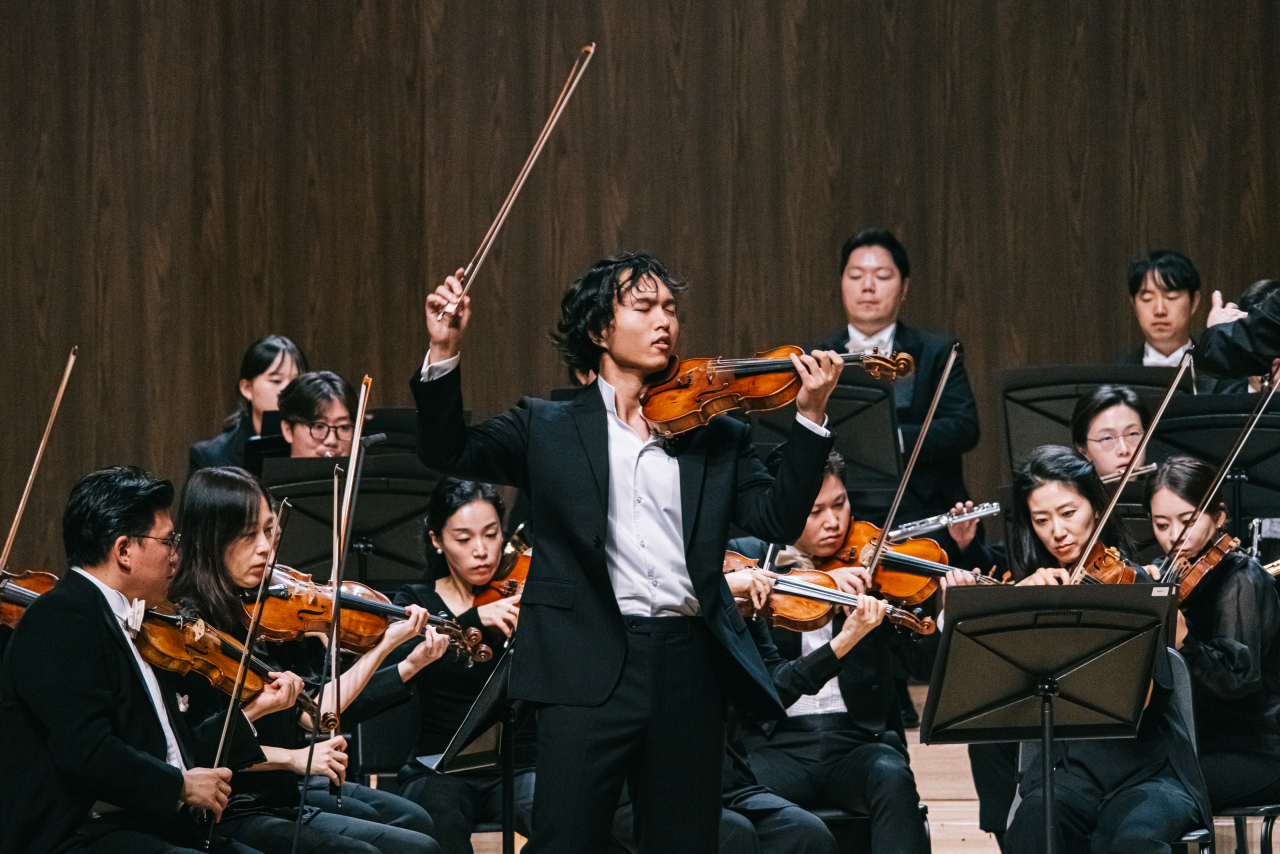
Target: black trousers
[[457, 802], [661, 730], [785, 830], [1141, 819], [1240, 779], [326, 833], [836, 768], [369, 804], [115, 834]]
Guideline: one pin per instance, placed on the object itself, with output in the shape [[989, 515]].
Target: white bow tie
[[133, 620]]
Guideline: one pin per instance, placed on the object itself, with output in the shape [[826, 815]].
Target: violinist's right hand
[[502, 615], [869, 614], [277, 695], [1045, 577], [207, 789], [753, 584], [446, 330], [329, 759]]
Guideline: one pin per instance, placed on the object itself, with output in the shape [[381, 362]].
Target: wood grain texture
[[178, 178]]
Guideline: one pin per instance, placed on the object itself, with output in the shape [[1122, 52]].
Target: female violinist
[[1106, 426], [463, 542], [1227, 631], [1137, 794], [268, 366], [225, 526], [316, 415]]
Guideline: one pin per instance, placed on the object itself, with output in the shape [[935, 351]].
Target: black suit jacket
[[225, 449], [938, 480], [80, 727], [572, 637], [1206, 382]]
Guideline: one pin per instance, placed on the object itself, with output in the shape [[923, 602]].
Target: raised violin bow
[[1078, 571], [575, 74], [35, 466]]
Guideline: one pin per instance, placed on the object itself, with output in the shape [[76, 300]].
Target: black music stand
[[1054, 663], [862, 415], [387, 538], [1205, 427], [487, 737]]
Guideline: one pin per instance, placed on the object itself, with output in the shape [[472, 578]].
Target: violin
[[19, 591], [1188, 575], [513, 569], [906, 583], [690, 391], [169, 641], [294, 605], [1104, 565], [805, 600]]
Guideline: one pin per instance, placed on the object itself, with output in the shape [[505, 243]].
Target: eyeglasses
[[1107, 442], [172, 541], [320, 431]]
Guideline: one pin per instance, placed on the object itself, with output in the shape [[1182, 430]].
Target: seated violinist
[[1107, 425], [844, 746], [1111, 795], [268, 366], [96, 757], [463, 536], [317, 414], [1229, 633], [226, 526]]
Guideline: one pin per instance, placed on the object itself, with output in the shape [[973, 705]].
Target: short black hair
[[587, 307], [1186, 477], [1102, 398], [1257, 293], [303, 398], [1056, 464], [121, 501], [1175, 271], [451, 495], [882, 237]]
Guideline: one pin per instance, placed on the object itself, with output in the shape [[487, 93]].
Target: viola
[[1189, 574], [172, 642], [294, 606], [805, 600], [19, 591], [690, 391]]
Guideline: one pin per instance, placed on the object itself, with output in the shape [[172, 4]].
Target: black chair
[[1268, 814], [852, 831]]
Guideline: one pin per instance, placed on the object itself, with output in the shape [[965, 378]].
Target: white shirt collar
[[882, 340], [1152, 358], [610, 395], [129, 614]]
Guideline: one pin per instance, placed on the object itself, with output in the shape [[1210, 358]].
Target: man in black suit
[[629, 638], [95, 759], [875, 275]]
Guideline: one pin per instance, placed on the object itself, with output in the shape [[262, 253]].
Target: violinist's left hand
[[277, 695], [433, 647], [851, 579], [402, 630], [818, 374], [753, 584], [963, 532]]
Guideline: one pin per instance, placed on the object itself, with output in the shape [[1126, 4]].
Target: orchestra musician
[[1112, 795], [1164, 287], [844, 745], [1241, 343], [268, 365], [316, 415], [629, 637], [96, 757], [1107, 425], [226, 525], [1227, 631], [463, 543]]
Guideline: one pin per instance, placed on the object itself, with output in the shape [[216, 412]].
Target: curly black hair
[[588, 305]]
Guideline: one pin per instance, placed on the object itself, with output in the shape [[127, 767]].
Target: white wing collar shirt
[[882, 340], [1153, 358]]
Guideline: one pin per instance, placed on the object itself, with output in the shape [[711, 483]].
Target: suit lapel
[[590, 418], [693, 471]]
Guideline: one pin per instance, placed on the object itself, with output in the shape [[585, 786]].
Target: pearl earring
[[439, 551]]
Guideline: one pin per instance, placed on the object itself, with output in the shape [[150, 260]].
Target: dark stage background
[[177, 178]]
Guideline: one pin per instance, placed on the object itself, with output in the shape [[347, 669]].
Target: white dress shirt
[[882, 340], [1152, 358], [828, 700], [120, 606]]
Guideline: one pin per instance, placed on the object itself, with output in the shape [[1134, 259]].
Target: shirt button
[[642, 544], [655, 582]]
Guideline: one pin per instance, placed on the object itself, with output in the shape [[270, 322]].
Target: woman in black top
[[268, 366], [225, 526], [463, 534], [1114, 795], [1227, 631]]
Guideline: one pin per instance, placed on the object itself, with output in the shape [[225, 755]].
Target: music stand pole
[[1047, 689]]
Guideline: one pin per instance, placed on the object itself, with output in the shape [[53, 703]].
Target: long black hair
[[1187, 478], [1098, 401], [1056, 464], [219, 506], [257, 360], [450, 496]]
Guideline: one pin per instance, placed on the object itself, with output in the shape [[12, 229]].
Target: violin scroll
[[888, 368]]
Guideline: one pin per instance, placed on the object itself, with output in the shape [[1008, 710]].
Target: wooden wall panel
[[179, 177]]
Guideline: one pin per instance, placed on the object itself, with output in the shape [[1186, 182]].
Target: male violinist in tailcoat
[[96, 758], [629, 638]]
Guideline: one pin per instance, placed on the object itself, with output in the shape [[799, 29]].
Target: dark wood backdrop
[[177, 178]]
